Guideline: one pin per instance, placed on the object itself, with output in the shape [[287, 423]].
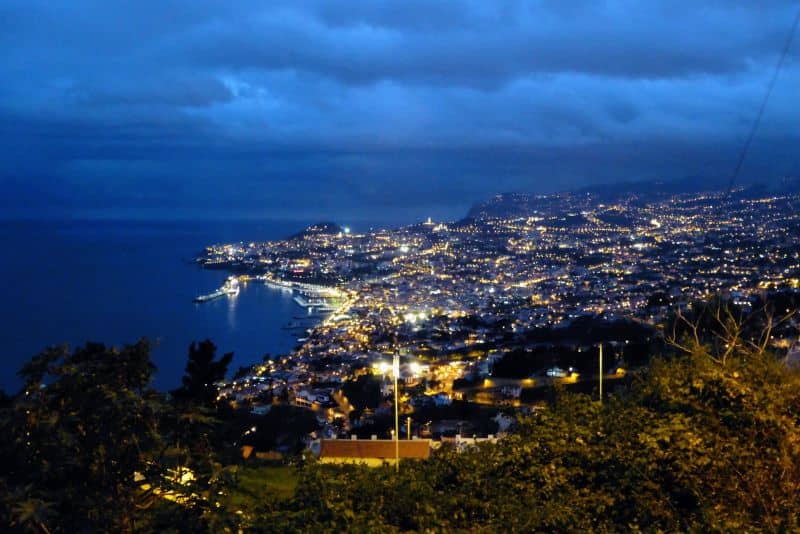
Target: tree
[[202, 372], [284, 428], [363, 392], [197, 436], [74, 438], [242, 371]]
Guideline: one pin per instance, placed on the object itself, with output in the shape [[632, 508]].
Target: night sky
[[378, 109]]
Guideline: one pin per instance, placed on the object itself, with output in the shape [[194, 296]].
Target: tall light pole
[[396, 372], [601, 373]]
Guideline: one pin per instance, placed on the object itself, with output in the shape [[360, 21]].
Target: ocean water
[[117, 281]]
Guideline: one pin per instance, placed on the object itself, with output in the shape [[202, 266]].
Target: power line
[[760, 114]]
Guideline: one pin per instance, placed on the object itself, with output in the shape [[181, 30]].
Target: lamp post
[[396, 372], [601, 373]]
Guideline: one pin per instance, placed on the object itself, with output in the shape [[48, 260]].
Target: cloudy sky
[[380, 109]]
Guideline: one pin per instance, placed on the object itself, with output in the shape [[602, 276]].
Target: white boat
[[230, 287]]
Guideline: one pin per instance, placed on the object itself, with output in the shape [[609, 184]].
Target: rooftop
[[373, 448]]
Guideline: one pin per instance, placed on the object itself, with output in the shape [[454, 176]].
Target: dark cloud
[[403, 107]]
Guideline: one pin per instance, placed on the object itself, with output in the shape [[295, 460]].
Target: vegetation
[[364, 392], [254, 482], [202, 371], [704, 439], [283, 428]]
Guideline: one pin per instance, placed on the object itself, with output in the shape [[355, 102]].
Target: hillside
[[512, 205]]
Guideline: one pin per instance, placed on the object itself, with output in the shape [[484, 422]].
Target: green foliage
[[253, 482], [89, 446], [73, 438], [744, 432]]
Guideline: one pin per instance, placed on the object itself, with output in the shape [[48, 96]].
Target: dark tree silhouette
[[363, 392], [77, 436], [202, 371]]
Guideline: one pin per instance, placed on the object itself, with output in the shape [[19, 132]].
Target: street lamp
[[396, 372], [601, 373]]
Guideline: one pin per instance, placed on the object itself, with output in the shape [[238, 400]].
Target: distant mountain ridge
[[658, 188], [517, 204]]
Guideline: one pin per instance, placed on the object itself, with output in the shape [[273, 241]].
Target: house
[[556, 372], [373, 452], [312, 398]]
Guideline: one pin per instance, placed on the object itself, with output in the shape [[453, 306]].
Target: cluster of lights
[[383, 367]]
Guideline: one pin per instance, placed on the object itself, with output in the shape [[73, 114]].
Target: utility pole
[[601, 373], [395, 372]]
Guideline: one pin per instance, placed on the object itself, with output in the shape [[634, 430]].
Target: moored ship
[[230, 287]]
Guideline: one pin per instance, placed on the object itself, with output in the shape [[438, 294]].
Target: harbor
[[316, 299], [320, 302]]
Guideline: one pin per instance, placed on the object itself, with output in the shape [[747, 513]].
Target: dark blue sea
[[117, 281]]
